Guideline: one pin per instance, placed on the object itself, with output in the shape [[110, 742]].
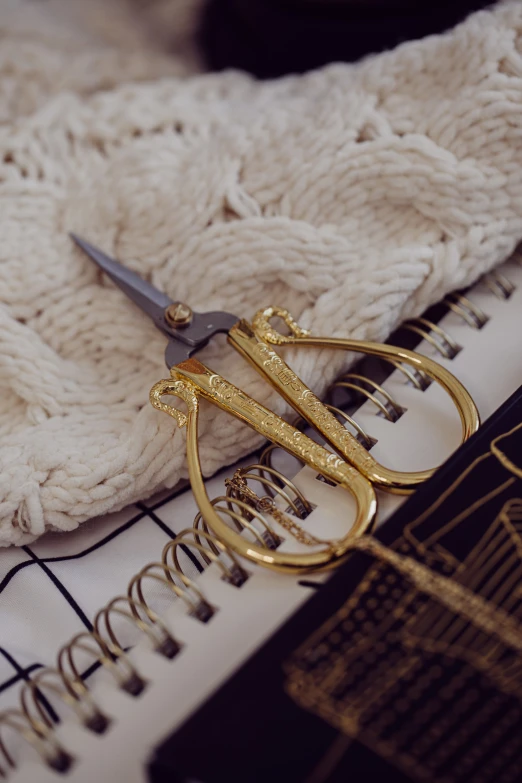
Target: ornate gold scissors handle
[[255, 342], [353, 469], [191, 381]]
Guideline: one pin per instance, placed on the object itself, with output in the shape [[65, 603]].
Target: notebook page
[[487, 365]]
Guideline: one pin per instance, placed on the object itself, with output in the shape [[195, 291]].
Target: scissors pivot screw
[[178, 314]]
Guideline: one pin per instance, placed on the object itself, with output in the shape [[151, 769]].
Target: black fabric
[[269, 722], [269, 38]]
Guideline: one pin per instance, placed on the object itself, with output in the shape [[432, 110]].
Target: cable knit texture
[[355, 195]]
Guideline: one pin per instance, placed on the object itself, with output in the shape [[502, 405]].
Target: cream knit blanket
[[355, 195]]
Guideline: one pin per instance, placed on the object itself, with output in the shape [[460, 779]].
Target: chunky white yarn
[[355, 195]]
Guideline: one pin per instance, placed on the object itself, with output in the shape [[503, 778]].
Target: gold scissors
[[351, 466]]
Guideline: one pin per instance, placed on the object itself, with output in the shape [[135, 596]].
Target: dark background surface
[[270, 38]]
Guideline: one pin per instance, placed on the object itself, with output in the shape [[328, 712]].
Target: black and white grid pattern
[[53, 588]]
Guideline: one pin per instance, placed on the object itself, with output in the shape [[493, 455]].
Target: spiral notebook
[[52, 590], [406, 665]]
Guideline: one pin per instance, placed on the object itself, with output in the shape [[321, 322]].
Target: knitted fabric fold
[[356, 196]]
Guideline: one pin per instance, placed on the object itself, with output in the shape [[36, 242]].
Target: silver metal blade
[[183, 342], [145, 295]]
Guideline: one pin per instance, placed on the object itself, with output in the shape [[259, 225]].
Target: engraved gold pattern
[[192, 379], [265, 330], [250, 342], [180, 389]]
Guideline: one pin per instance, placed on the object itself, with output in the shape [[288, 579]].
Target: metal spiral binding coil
[[389, 407], [45, 744], [280, 502], [115, 662], [34, 721], [417, 378], [238, 512], [435, 335], [85, 708], [499, 284], [467, 310], [197, 604], [215, 552]]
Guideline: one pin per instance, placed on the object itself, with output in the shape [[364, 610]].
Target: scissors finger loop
[[398, 482]]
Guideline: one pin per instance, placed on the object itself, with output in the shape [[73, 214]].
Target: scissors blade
[[146, 296], [183, 342]]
